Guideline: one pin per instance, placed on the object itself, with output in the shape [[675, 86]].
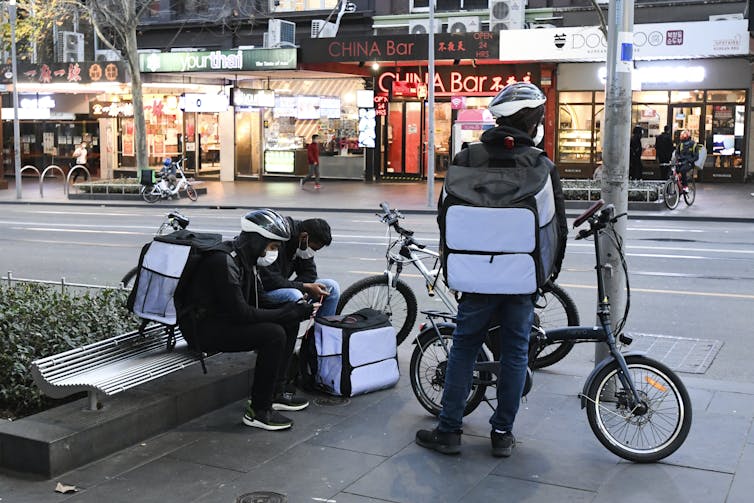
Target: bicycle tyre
[[670, 194], [663, 427], [398, 303], [148, 193], [129, 277], [427, 374], [559, 310], [690, 196], [191, 192]]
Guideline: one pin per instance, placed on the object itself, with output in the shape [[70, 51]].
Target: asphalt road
[[688, 279]]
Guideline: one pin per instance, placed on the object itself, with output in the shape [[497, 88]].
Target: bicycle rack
[[42, 176], [28, 166], [67, 186]]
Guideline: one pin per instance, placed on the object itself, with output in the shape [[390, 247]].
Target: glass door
[[404, 144], [687, 118]]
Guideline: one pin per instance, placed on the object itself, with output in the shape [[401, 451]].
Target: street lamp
[[16, 129]]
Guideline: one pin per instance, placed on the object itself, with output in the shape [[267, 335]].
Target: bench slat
[[112, 365]]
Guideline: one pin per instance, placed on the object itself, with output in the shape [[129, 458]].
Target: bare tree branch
[[603, 23]]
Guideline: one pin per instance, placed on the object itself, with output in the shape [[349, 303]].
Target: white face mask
[[306, 252], [539, 135], [269, 257]]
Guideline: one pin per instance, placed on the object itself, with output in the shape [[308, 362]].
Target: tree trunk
[[140, 131]]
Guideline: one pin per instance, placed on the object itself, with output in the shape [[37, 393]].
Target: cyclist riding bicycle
[[686, 155], [168, 171]]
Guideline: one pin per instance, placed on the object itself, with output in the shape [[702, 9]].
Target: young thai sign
[[210, 61]]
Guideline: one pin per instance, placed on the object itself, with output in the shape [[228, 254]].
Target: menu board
[[285, 106], [307, 107], [329, 107]]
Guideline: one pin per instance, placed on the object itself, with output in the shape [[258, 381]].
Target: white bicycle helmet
[[267, 223], [521, 104]]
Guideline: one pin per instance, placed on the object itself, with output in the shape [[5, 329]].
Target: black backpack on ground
[[498, 227]]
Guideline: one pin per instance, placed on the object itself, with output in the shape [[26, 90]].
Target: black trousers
[[274, 344]]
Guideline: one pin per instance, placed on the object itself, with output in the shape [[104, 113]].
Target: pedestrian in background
[[664, 149], [634, 165], [312, 155], [79, 158]]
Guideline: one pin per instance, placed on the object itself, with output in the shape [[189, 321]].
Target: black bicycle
[[637, 407]]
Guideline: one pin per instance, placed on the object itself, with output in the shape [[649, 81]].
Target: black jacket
[[493, 140], [687, 152], [278, 275], [226, 287], [664, 147]]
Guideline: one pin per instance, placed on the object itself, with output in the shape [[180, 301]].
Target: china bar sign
[[211, 61]]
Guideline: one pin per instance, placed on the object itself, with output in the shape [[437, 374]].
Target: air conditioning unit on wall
[[466, 24], [421, 26], [507, 15], [107, 55], [69, 47], [280, 33], [323, 29], [536, 26]]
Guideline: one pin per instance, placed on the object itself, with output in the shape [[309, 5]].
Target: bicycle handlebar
[[588, 213]]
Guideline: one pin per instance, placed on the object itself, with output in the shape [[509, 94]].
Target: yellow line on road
[[676, 292]]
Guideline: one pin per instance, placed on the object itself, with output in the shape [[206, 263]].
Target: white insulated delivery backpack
[[498, 228], [349, 355]]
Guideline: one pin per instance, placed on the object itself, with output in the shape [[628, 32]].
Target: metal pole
[[615, 135], [431, 109], [14, 69]]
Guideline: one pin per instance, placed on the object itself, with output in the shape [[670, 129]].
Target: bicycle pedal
[[626, 339]]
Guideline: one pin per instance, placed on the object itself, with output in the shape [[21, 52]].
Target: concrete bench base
[[66, 437]]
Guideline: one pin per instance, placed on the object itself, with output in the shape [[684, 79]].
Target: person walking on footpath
[[519, 112], [634, 165], [79, 158], [226, 316], [312, 155]]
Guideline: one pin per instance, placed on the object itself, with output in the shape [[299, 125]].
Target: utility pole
[[615, 154], [431, 108], [14, 69]]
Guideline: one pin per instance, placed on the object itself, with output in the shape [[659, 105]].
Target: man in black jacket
[[226, 315], [519, 110], [664, 149], [294, 273]]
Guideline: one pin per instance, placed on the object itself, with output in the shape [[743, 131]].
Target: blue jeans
[[475, 314], [329, 304]]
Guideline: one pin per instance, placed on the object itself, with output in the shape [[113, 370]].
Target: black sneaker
[[446, 442], [266, 419], [502, 444], [289, 401]]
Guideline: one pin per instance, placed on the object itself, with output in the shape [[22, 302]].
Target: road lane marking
[[675, 292], [80, 231]]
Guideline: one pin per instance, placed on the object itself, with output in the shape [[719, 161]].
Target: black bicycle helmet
[[521, 104], [267, 223]]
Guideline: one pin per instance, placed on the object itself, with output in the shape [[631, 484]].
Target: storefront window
[[576, 97], [686, 96], [208, 140], [727, 96], [650, 96], [575, 131], [442, 136], [652, 119], [725, 135]]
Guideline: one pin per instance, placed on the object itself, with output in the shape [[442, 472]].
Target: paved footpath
[[713, 201], [363, 451]]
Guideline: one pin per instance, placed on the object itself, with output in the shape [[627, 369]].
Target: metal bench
[[113, 365]]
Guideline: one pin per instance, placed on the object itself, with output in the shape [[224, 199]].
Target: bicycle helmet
[[167, 162], [521, 105], [267, 223]]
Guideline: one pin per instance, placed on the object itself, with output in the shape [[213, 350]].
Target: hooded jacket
[[493, 142], [278, 274], [226, 286]]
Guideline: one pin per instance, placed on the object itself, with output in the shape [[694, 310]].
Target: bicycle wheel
[[191, 192], [690, 196], [150, 193], [129, 277], [670, 194], [398, 303], [428, 363], [554, 309], [650, 431]]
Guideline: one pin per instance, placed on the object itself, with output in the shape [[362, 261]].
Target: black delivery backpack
[[347, 355]]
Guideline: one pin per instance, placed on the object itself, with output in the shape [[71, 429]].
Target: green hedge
[[38, 320]]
